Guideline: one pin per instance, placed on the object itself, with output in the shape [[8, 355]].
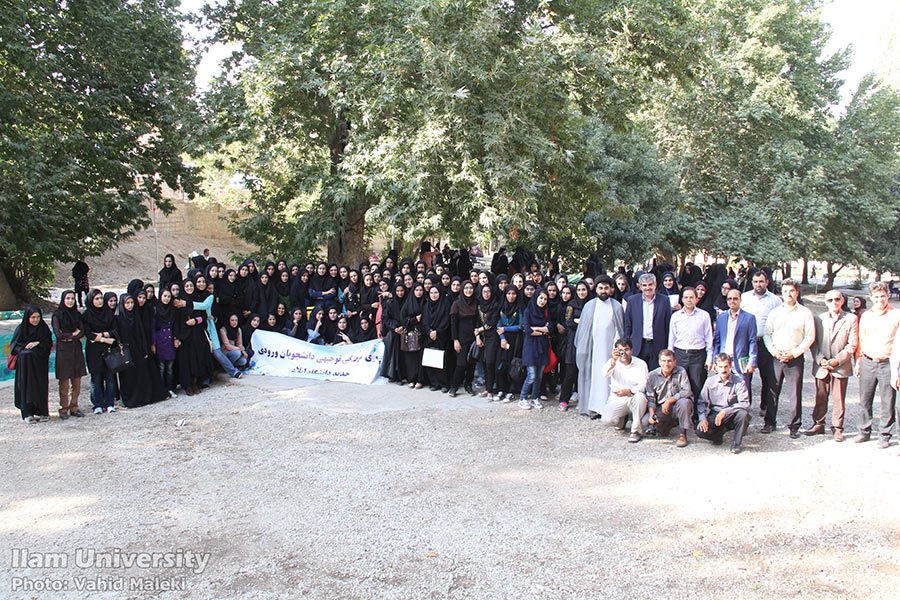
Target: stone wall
[[189, 217]]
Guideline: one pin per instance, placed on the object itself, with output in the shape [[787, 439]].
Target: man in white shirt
[[790, 331], [691, 339], [628, 377], [759, 302]]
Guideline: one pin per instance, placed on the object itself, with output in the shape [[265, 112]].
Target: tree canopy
[[93, 96]]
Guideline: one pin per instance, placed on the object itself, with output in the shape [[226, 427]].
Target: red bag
[[553, 361], [11, 361]]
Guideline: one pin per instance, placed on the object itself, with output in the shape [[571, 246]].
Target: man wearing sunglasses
[[837, 336]]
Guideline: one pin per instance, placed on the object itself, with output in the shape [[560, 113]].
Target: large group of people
[[682, 355]]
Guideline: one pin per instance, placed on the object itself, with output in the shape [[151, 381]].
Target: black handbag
[[118, 358], [476, 352], [410, 341], [516, 370]]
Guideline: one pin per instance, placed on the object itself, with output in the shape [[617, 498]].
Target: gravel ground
[[327, 490]]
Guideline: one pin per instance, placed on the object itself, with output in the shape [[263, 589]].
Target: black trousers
[[570, 378], [738, 420], [648, 355], [788, 379], [694, 362], [765, 366]]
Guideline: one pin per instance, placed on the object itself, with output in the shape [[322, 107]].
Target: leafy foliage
[[91, 93]]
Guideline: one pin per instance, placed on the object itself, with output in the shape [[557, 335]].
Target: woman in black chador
[[31, 343]]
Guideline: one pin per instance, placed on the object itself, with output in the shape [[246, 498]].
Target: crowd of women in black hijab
[[445, 325]]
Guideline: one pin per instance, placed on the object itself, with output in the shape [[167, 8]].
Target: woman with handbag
[[509, 333], [463, 313], [411, 340], [436, 325], [535, 349], [100, 330], [68, 329], [29, 353], [139, 384], [486, 337]]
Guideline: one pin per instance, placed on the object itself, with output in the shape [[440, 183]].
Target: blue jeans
[[532, 384], [230, 360], [103, 388]]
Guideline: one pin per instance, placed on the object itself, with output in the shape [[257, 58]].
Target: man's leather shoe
[[735, 449], [682, 441], [838, 435], [863, 437], [794, 434], [767, 429], [635, 437], [815, 430]]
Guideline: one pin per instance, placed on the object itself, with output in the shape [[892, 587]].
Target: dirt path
[[326, 490]]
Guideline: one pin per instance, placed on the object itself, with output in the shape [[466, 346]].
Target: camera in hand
[[622, 352]]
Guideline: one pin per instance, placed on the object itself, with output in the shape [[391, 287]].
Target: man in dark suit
[[647, 318], [736, 336]]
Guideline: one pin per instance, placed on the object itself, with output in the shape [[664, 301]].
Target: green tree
[[749, 139], [90, 98], [422, 117]]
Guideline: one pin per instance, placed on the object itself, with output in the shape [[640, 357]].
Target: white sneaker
[[98, 411], [508, 398], [536, 404], [524, 404], [111, 409], [172, 394], [499, 397]]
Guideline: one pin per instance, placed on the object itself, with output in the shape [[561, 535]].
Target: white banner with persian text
[[282, 355]]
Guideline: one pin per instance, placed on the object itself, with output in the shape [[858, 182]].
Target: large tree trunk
[[8, 300], [805, 280], [831, 274], [348, 247]]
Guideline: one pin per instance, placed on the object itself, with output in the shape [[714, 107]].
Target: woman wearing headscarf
[[535, 349], [486, 336], [191, 345], [170, 273], [163, 340], [622, 288], [296, 327], [368, 298], [366, 331], [139, 384], [68, 330], [463, 314], [31, 344], [330, 325], [670, 288], [391, 330], [322, 287], [100, 333], [574, 297], [411, 317], [265, 299], [283, 287], [509, 333], [226, 295], [705, 300], [436, 327], [352, 299], [247, 330], [300, 291], [232, 344], [721, 299]]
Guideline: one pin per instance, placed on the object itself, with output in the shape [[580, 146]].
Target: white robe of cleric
[[601, 324]]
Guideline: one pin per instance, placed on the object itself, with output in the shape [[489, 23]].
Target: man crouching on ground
[[724, 404]]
